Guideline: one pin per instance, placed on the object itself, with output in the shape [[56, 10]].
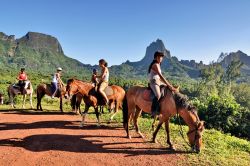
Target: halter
[[78, 87]]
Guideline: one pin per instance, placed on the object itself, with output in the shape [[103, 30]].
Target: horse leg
[[24, 99], [61, 108], [153, 124], [12, 101], [40, 102], [156, 131], [135, 119], [84, 115], [115, 112], [97, 116], [130, 114], [168, 135], [31, 101]]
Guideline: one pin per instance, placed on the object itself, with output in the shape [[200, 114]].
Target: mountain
[[43, 53], [239, 55], [170, 66], [37, 52]]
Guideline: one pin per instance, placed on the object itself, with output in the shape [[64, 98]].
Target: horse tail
[[125, 111]]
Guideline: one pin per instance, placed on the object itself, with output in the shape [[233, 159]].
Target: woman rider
[[156, 79], [104, 78], [55, 80], [22, 77]]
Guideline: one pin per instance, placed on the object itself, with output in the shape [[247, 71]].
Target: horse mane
[[181, 101]]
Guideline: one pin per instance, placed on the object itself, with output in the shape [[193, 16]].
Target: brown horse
[[13, 91], [137, 99], [43, 89], [90, 96]]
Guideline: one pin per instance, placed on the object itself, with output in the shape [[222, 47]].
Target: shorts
[[103, 85]]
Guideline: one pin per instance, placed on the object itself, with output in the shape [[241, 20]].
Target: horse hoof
[[81, 125], [154, 141], [172, 148], [141, 136]]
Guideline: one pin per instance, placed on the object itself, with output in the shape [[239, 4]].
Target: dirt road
[[55, 139]]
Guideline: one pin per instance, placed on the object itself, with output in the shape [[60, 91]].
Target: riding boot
[[155, 107]]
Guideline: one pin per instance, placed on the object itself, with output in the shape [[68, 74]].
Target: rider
[[94, 79], [55, 81], [156, 79], [22, 77], [104, 78]]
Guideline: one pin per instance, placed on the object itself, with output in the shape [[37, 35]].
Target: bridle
[[69, 87], [196, 129]]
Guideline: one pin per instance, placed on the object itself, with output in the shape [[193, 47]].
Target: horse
[[114, 93], [138, 99], [1, 99], [13, 91], [43, 89]]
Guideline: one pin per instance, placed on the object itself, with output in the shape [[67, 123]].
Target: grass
[[218, 149]]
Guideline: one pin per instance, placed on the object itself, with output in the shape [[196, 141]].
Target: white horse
[[13, 91]]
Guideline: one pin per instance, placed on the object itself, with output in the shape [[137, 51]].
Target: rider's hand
[[175, 89]]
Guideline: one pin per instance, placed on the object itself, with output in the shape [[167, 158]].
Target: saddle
[[51, 89], [149, 95], [16, 86], [101, 101]]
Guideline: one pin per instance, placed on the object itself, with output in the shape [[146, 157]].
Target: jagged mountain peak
[[37, 40]]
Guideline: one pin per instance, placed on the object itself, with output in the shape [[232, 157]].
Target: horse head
[[195, 135], [71, 88], [189, 114]]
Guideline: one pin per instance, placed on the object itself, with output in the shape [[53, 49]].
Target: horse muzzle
[[196, 149]]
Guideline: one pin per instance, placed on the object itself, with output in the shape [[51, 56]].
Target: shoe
[[52, 96], [107, 103]]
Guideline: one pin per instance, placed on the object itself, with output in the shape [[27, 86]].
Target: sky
[[120, 30]]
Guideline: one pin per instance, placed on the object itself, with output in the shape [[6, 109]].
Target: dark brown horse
[[115, 95], [137, 100], [43, 89]]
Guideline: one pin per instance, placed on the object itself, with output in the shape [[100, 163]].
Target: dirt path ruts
[[54, 139]]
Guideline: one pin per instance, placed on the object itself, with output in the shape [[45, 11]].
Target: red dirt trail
[[55, 139]]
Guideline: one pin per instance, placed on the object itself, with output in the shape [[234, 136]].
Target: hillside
[[43, 54], [171, 66], [37, 52]]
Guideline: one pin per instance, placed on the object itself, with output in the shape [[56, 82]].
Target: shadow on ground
[[82, 144]]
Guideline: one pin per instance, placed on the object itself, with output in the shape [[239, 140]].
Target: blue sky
[[119, 30]]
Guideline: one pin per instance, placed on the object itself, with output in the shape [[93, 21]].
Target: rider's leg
[[101, 90], [155, 103], [54, 84]]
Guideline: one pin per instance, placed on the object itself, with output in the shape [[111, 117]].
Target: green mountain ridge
[[43, 53]]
